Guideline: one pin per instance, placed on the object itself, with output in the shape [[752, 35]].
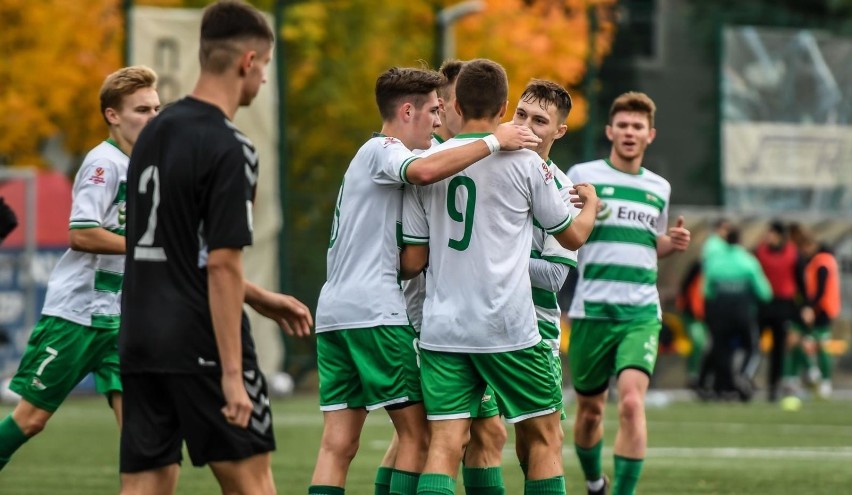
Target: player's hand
[[514, 137], [679, 235], [238, 407], [583, 194], [288, 312]]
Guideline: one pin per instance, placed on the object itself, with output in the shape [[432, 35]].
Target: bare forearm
[[96, 240], [413, 260], [226, 295], [580, 229], [444, 164], [664, 246], [253, 293]]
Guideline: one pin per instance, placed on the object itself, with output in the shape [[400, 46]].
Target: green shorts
[[488, 405], [59, 355], [368, 367], [523, 381], [599, 349]]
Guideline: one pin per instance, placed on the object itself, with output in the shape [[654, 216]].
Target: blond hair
[[125, 82]]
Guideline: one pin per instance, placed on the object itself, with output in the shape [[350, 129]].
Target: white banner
[[166, 40], [787, 155]]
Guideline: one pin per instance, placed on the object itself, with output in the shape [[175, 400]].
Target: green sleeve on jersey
[[560, 227], [560, 260], [403, 169]]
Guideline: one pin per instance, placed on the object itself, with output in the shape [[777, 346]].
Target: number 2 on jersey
[[146, 250], [469, 209]]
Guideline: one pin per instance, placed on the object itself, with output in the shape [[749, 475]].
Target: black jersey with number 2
[[190, 187]]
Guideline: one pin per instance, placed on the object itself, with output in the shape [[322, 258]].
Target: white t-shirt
[[85, 288], [618, 264], [478, 225], [363, 289]]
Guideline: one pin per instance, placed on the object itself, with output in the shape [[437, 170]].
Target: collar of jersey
[[641, 169], [378, 134], [438, 138], [111, 141], [472, 135]]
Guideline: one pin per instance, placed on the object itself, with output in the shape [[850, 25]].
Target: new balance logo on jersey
[[389, 141]]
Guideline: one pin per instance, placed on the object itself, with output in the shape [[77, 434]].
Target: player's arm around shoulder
[[445, 163], [583, 195]]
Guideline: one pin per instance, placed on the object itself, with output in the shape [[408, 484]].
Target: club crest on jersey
[[546, 173], [389, 140], [97, 177]]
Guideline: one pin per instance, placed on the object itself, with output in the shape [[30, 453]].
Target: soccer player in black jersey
[[187, 359]]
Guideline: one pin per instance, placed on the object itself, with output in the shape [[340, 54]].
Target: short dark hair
[[548, 93], [481, 89], [778, 227], [634, 101], [224, 24], [733, 236], [450, 70], [398, 83]]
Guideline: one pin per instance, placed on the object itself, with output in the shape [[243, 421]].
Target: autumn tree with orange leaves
[[335, 49], [545, 39], [55, 56]]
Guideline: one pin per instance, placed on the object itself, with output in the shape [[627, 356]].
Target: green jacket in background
[[731, 269]]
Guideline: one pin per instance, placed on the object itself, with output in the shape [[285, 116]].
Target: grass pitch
[[694, 448]]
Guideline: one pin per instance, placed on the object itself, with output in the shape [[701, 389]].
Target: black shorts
[[161, 411]]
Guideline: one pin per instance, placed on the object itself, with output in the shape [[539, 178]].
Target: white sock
[[595, 485]]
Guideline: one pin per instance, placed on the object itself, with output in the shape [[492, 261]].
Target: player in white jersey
[[365, 344], [479, 325], [543, 107], [483, 456], [615, 313], [77, 332]]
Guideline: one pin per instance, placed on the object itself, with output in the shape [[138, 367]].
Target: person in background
[[778, 257], [615, 312], [78, 328], [821, 307], [734, 284]]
